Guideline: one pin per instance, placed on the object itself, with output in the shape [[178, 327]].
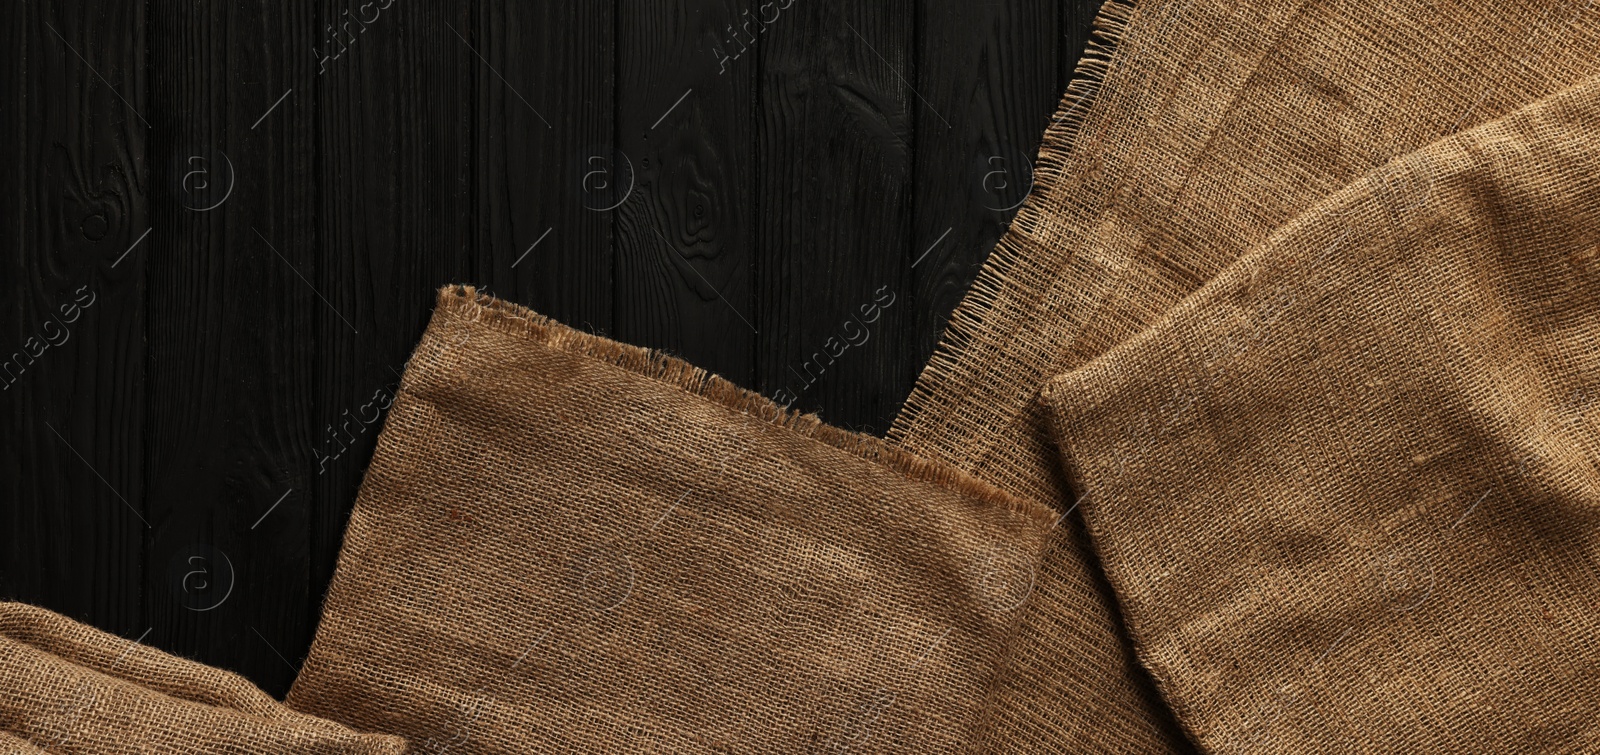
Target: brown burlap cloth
[[69, 688], [1194, 129], [566, 544], [1349, 492]]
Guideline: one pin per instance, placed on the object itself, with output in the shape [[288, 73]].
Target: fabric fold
[[1193, 130], [1349, 492], [70, 688], [568, 543]]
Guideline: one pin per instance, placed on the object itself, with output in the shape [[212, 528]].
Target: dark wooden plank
[[232, 334], [1077, 22], [75, 199], [543, 111], [790, 161], [684, 241], [395, 220], [995, 67], [834, 198]]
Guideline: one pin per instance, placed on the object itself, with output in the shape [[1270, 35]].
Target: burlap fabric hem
[[515, 319]]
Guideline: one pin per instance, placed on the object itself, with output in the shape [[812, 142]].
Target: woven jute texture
[[1349, 492], [568, 544], [66, 687], [1194, 129]]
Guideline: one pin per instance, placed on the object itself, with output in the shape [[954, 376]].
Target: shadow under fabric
[[566, 544], [1194, 129], [1349, 492]]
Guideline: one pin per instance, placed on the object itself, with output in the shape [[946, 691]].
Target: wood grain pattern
[[76, 196], [232, 337], [544, 109], [993, 67], [395, 221], [684, 243], [836, 157], [791, 193]]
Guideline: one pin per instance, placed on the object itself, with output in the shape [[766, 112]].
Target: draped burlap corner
[[1194, 129], [1349, 492], [568, 544], [66, 687]]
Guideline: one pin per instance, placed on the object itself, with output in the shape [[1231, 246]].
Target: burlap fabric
[[14, 745], [568, 544], [69, 688], [1195, 128], [1349, 492]]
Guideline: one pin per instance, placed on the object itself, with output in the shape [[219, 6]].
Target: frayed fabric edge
[[515, 319]]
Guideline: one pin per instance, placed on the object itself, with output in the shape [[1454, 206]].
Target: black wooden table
[[224, 225]]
